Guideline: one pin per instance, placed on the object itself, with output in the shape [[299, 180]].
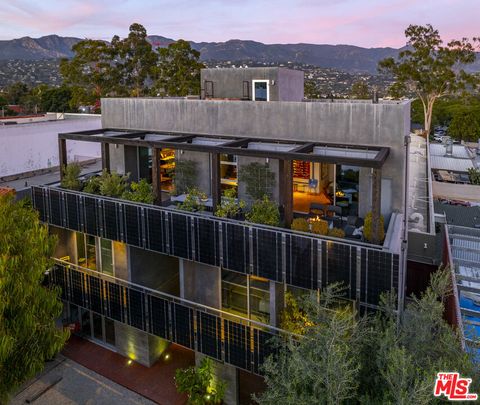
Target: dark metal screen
[[279, 255]]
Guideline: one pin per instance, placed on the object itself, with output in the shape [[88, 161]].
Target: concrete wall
[[201, 283], [284, 84], [137, 345], [154, 270], [117, 158], [67, 245], [290, 85], [382, 124], [28, 147]]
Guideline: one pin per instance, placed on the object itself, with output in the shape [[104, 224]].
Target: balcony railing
[[225, 337], [277, 254]]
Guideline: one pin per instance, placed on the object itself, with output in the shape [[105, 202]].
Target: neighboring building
[[30, 148], [136, 277], [444, 227]]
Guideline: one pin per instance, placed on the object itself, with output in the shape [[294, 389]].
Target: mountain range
[[349, 58]]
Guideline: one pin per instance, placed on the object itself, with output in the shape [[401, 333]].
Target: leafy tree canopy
[[360, 90], [178, 70], [28, 335], [375, 359], [429, 69]]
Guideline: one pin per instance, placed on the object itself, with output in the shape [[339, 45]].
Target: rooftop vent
[[448, 147]]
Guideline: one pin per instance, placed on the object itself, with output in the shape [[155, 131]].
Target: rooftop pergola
[[286, 151]]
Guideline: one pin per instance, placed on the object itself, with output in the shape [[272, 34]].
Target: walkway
[[155, 383], [65, 382]]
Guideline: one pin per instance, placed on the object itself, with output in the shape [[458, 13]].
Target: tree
[[16, 92], [430, 70], [28, 335], [56, 99], [178, 70], [373, 359], [474, 176], [360, 90], [322, 367], [465, 125], [92, 68], [310, 89], [136, 59]]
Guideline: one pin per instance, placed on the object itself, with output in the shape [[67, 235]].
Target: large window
[[106, 256], [246, 296], [234, 293], [87, 253], [228, 171], [347, 187]]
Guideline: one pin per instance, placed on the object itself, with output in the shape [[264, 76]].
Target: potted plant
[[200, 384], [71, 174], [264, 211], [193, 200], [230, 207]]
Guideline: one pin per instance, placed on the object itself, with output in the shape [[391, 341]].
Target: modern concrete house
[[137, 277]]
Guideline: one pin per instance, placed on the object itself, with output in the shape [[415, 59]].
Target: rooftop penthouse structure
[[138, 276]]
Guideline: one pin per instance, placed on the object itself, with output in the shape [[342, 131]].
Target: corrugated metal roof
[[458, 151], [458, 215], [451, 164]]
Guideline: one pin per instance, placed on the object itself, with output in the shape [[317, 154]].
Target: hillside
[[349, 58]]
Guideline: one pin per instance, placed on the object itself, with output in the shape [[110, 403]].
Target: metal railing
[[226, 337], [281, 255]]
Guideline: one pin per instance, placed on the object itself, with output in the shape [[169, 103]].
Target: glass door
[[260, 90]]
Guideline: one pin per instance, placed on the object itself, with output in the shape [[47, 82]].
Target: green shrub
[[113, 184], [320, 227], [300, 224], [264, 211], [71, 174], [92, 185], [140, 192], [229, 207], [193, 200], [474, 176], [336, 232], [200, 384]]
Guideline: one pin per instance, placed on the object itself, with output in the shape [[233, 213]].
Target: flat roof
[[347, 154], [451, 164]]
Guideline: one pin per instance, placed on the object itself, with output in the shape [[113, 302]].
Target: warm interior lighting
[[129, 362], [340, 193], [167, 356]]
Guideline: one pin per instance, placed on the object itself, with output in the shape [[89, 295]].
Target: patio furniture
[[352, 220], [317, 209]]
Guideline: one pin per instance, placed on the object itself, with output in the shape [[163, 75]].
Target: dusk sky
[[367, 23]]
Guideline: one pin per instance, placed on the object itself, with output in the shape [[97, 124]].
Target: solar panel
[[235, 248], [115, 299], [56, 211], [206, 241], [155, 230], [267, 254], [133, 225], [180, 237], [95, 294], [182, 324], [159, 316], [136, 308], [237, 344], [209, 335], [72, 212], [110, 220]]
